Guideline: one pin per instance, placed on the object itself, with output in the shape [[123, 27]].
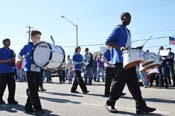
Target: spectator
[[170, 63], [19, 71], [62, 74], [163, 69], [153, 74], [100, 68], [88, 70], [85, 62], [47, 75], [142, 76], [68, 66], [94, 68], [70, 75]]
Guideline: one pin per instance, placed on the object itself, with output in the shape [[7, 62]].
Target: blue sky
[[96, 20]]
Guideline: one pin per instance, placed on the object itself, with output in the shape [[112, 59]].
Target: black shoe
[[86, 92], [74, 92], [111, 109], [2, 102], [40, 113], [12, 102], [145, 110], [166, 86]]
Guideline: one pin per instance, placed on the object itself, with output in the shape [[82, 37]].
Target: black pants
[[41, 81], [172, 75], [33, 80], [129, 77], [154, 76], [110, 72], [7, 79], [62, 75], [78, 81]]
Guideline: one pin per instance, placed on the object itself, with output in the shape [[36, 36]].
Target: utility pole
[[29, 31]]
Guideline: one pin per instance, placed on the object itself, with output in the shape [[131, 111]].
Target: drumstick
[[147, 41], [51, 37]]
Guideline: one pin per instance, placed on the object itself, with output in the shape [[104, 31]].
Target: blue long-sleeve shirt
[[77, 61], [119, 37], [107, 55], [27, 52]]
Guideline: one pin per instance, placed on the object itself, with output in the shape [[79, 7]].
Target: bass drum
[[47, 55]]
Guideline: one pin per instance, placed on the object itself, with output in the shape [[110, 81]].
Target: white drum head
[[41, 54], [58, 57]]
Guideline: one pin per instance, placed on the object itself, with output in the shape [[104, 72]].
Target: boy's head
[[126, 18], [35, 36], [6, 42], [86, 50], [78, 49]]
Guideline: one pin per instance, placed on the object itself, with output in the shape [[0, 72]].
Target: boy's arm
[[21, 54]]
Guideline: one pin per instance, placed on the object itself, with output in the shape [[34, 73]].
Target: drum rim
[[49, 56], [63, 56]]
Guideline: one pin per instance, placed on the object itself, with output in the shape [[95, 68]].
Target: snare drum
[[152, 65], [46, 55], [132, 58], [149, 57]]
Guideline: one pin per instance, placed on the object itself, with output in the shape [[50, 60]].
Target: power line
[[102, 44], [156, 46]]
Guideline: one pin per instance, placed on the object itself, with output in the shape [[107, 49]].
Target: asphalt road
[[58, 101]]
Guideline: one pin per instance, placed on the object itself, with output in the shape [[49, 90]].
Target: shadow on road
[[154, 100], [12, 108], [98, 95], [63, 94], [59, 100], [15, 108], [133, 114]]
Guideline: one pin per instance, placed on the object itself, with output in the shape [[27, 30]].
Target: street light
[[75, 25]]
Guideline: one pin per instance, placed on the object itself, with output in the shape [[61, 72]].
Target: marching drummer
[[120, 39], [33, 74]]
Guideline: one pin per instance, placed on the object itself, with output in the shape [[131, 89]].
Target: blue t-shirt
[[27, 52], [119, 37], [4, 55], [77, 60]]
